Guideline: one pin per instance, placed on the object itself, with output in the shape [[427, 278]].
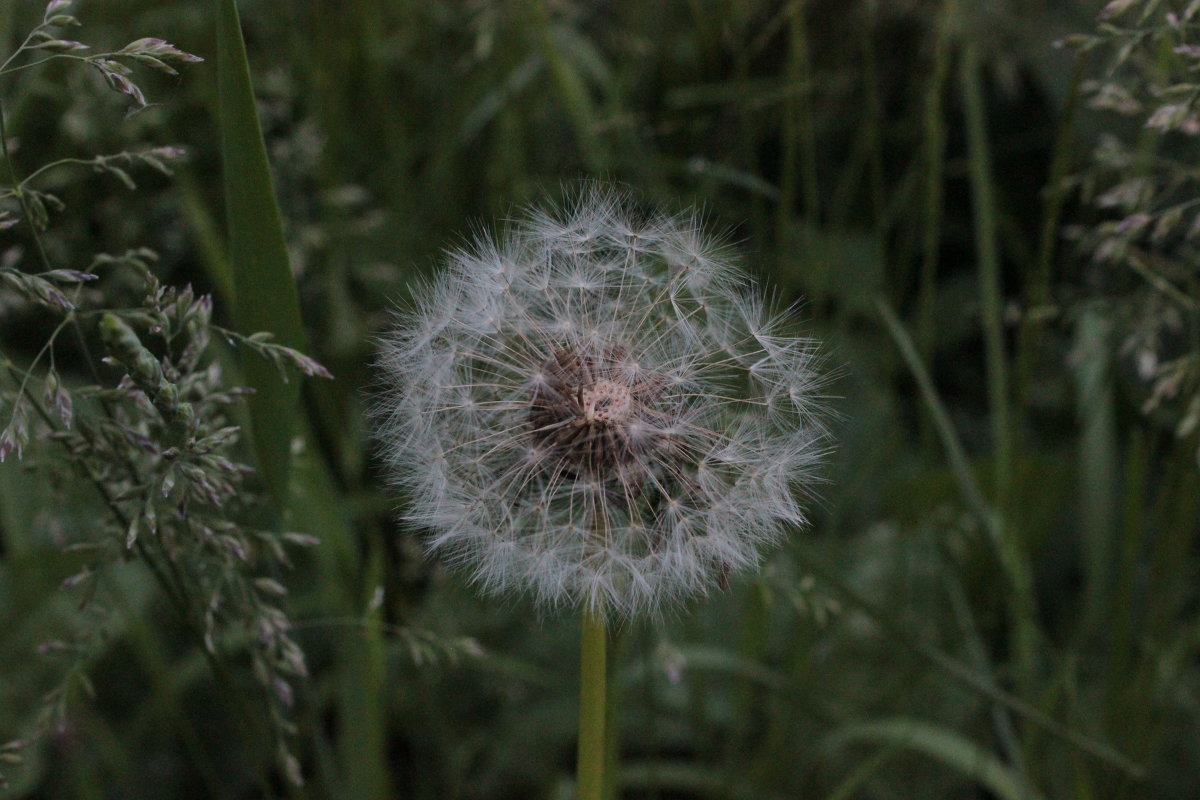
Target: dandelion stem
[[592, 706]]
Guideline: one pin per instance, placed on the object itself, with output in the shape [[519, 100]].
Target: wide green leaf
[[265, 297]]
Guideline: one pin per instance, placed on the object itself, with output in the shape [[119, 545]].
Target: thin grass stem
[[799, 167], [987, 252], [996, 361], [1008, 551], [965, 675], [934, 128]]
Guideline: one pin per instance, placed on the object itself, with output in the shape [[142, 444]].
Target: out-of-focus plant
[[143, 415], [1143, 179]]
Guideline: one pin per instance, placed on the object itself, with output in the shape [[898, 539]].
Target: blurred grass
[[1005, 554]]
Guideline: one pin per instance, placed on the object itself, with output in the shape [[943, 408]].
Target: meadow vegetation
[[987, 213]]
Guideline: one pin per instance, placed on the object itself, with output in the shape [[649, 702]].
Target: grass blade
[[983, 205], [1009, 551], [946, 746], [265, 297], [964, 674], [1099, 484]]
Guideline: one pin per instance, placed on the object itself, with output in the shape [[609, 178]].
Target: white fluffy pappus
[[595, 409]]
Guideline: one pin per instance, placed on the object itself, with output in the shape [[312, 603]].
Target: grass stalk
[[1099, 483], [1008, 552], [1038, 291], [987, 252], [896, 631], [873, 122], [799, 155], [934, 139], [1013, 557], [572, 89]]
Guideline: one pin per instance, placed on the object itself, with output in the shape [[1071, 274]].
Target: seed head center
[[605, 402], [584, 408]]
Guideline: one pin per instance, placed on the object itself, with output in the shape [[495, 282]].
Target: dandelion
[[596, 410]]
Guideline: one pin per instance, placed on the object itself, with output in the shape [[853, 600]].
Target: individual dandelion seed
[[596, 409]]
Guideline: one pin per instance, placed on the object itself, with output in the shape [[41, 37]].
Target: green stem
[[934, 129], [987, 251], [1024, 632], [799, 143], [592, 697]]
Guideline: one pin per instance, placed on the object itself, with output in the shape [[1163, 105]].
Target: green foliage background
[[998, 596]]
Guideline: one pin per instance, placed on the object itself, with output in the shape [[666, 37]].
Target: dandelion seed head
[[594, 408]]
